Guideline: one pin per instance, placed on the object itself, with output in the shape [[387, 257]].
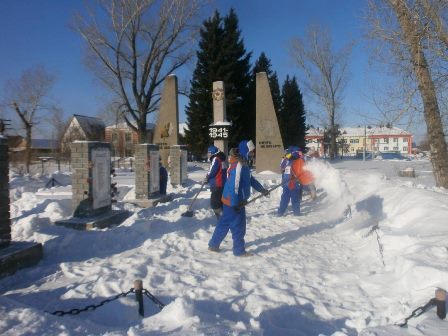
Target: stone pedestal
[[147, 177], [91, 181], [13, 255], [178, 165], [91, 187]]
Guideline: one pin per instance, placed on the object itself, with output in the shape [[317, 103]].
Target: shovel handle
[[196, 196]]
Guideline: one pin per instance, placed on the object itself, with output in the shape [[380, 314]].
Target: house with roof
[[39, 148], [122, 138], [82, 127], [353, 140]]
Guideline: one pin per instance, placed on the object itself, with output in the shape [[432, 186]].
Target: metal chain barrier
[[153, 299], [76, 311], [419, 311]]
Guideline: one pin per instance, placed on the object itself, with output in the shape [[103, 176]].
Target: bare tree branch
[[145, 41], [325, 72]]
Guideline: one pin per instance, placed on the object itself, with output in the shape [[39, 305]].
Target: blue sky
[[37, 31]]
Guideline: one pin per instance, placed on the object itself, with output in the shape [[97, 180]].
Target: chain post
[[138, 289], [441, 303]]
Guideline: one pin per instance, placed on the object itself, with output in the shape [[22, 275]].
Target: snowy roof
[[90, 125], [124, 125], [182, 128], [359, 131], [44, 144], [315, 132]]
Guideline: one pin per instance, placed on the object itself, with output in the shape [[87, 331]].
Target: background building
[[353, 140]]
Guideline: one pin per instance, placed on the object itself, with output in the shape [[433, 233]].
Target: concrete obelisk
[[220, 116], [166, 133], [269, 146]]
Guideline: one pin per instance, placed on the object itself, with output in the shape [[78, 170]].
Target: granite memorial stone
[[166, 133], [269, 146]]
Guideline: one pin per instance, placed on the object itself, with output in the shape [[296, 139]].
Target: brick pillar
[[5, 222], [147, 180], [90, 178], [178, 165]]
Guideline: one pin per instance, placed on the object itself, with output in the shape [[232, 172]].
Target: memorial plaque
[[155, 172], [184, 163], [101, 177]]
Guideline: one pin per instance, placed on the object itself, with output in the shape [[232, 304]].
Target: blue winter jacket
[[217, 172], [239, 181]]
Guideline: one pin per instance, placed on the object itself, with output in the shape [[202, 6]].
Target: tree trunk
[[28, 149], [438, 147]]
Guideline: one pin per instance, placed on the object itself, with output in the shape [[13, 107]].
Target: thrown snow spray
[[332, 182]]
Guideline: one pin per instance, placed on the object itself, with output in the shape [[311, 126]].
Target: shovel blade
[[188, 213]]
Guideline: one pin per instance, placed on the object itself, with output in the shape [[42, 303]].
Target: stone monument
[[13, 255], [219, 130], [166, 133], [91, 187], [147, 176], [269, 146]]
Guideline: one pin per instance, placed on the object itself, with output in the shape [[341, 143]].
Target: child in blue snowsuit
[[216, 177], [291, 187], [234, 198]]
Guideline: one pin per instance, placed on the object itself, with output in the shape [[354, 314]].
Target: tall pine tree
[[199, 110], [262, 64], [292, 114], [221, 57]]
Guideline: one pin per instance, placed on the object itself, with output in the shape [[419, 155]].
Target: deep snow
[[317, 274]]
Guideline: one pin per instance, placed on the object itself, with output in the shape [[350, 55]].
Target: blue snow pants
[[236, 223], [294, 196]]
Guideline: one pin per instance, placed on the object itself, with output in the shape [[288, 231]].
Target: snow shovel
[[189, 212], [261, 195]]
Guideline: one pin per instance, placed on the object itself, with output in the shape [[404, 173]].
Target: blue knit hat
[[213, 150], [245, 147]]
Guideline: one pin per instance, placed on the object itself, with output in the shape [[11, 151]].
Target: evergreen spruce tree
[[199, 110], [292, 115], [221, 57], [236, 77], [262, 64]]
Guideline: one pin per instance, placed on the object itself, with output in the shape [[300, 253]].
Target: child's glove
[[241, 205]]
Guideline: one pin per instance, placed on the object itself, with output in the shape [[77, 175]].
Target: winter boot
[[213, 249], [246, 254]]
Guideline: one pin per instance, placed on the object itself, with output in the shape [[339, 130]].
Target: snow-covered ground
[[317, 274]]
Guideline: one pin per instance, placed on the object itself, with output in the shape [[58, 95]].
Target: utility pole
[[365, 143]]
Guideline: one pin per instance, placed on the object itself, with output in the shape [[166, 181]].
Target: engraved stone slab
[[101, 177], [147, 184], [269, 146], [166, 133]]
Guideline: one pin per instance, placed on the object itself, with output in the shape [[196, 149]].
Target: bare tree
[[140, 43], [57, 122], [27, 97], [326, 74], [415, 32]]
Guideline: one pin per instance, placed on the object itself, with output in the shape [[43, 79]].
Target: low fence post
[[138, 288], [441, 303]]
